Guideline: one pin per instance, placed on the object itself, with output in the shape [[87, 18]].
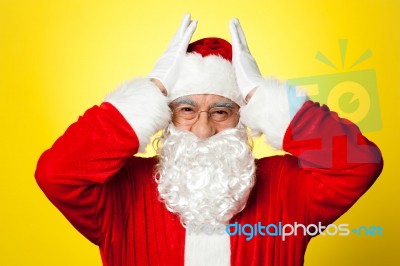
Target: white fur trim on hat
[[211, 74], [143, 105], [271, 109]]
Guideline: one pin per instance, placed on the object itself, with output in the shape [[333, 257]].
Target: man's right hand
[[166, 70]]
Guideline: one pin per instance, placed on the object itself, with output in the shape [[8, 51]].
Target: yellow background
[[58, 58]]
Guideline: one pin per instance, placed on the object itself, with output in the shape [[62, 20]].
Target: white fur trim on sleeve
[[271, 109], [143, 105]]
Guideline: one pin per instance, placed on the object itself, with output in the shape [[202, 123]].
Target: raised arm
[[75, 170], [331, 164], [72, 172]]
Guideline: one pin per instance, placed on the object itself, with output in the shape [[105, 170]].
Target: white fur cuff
[[271, 110], [143, 105]]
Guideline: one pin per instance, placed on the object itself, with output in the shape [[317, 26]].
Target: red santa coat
[[109, 196]]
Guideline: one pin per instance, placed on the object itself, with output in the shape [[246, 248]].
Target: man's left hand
[[247, 73]]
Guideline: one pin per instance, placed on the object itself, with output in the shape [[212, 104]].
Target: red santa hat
[[207, 69]]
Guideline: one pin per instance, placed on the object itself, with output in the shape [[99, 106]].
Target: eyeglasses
[[188, 115]]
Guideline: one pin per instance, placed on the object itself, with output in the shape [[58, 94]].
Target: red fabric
[[212, 46], [110, 196]]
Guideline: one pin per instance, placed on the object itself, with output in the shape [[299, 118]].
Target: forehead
[[202, 99]]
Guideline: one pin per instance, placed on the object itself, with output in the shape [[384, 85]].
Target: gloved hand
[[247, 73], [166, 69]]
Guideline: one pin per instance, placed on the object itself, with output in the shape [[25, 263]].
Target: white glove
[[247, 73], [167, 67]]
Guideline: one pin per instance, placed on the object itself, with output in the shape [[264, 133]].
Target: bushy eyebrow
[[184, 100], [221, 104]]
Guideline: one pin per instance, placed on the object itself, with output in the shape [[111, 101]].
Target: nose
[[202, 128]]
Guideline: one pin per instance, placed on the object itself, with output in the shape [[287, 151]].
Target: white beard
[[205, 181]]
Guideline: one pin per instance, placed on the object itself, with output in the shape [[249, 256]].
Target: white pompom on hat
[[207, 69]]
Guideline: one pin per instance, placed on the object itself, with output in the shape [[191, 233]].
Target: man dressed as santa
[[166, 210]]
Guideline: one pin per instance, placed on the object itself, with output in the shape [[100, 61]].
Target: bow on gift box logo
[[352, 94]]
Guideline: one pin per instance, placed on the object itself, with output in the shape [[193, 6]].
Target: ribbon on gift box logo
[[352, 94]]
